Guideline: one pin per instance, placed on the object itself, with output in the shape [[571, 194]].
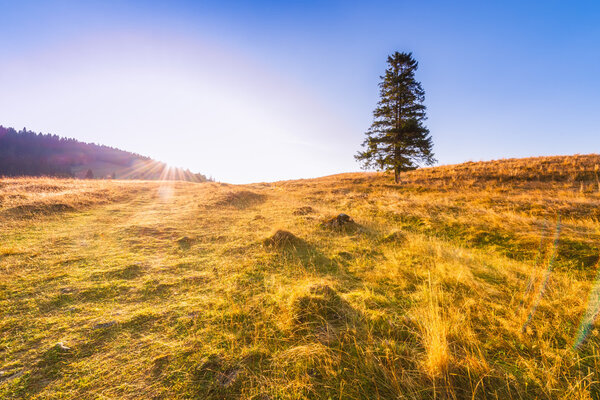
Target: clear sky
[[268, 90]]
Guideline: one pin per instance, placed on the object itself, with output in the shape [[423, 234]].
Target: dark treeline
[[26, 153], [30, 153]]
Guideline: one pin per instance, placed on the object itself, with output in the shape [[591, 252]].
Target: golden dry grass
[[449, 286]]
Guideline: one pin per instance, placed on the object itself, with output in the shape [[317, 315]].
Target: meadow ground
[[474, 281]]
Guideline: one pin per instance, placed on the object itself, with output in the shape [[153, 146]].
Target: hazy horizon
[[269, 91]]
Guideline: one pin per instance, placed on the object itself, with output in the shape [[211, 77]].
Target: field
[[473, 281]]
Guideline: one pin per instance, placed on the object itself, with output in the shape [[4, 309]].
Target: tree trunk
[[397, 175]]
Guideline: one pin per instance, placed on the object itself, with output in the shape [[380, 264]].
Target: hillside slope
[[462, 282], [27, 153]]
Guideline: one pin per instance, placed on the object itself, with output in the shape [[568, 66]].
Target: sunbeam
[[591, 313], [546, 277]]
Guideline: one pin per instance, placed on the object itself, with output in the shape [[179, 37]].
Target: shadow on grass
[[291, 248], [27, 211], [53, 362], [49, 368], [129, 272], [70, 296], [104, 333], [215, 375]]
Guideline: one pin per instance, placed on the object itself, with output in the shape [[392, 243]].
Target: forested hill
[[26, 153]]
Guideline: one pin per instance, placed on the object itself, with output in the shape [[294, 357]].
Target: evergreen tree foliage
[[26, 153], [398, 139]]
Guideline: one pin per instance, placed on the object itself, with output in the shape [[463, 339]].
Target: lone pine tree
[[397, 139]]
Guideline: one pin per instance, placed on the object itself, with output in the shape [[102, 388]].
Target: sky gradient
[[269, 90]]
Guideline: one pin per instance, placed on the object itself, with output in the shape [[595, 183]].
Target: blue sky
[[267, 90]]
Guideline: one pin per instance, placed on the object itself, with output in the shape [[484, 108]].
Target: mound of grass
[[185, 242], [341, 223], [284, 240], [240, 199], [319, 306], [394, 237], [37, 209], [305, 210]]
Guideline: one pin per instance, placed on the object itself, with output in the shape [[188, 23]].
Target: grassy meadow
[[473, 281]]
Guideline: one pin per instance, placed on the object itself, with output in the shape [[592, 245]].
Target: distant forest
[[26, 153]]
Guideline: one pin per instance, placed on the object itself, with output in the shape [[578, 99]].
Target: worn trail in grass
[[179, 290]]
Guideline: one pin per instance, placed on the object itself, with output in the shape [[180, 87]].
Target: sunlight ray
[[545, 278], [591, 313]]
